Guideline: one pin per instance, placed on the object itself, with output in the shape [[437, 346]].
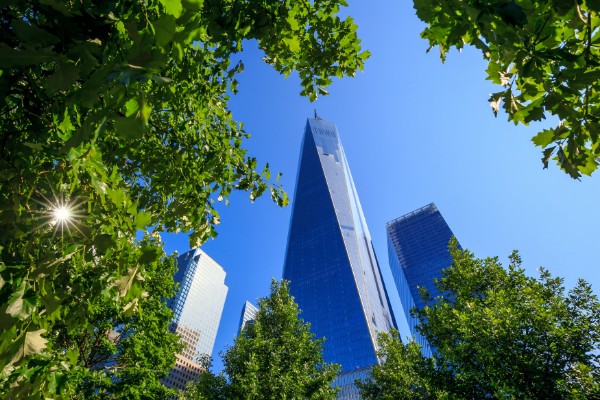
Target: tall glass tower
[[249, 312], [198, 305], [330, 262], [418, 252]]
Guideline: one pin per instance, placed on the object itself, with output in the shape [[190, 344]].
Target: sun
[[62, 214]]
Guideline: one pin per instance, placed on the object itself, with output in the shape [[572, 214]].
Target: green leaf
[[164, 28], [547, 154], [145, 110], [149, 255], [56, 382], [34, 146], [512, 14], [22, 302], [131, 107], [544, 138], [103, 242], [129, 128], [294, 24], [64, 76], [118, 197], [293, 43], [32, 34], [10, 57], [52, 305], [142, 219], [495, 71], [66, 125], [161, 80], [172, 7], [193, 5], [566, 164], [587, 78], [589, 166]]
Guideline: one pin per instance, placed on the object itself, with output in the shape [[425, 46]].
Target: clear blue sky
[[414, 131]]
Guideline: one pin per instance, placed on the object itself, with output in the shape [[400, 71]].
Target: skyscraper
[[330, 262], [198, 305], [418, 252], [248, 314]]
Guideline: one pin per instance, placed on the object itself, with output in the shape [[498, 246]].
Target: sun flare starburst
[[62, 214]]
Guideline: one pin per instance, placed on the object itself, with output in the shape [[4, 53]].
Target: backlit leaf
[[29, 343], [172, 7], [22, 302]]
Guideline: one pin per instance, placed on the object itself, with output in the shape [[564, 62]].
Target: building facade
[[330, 261], [248, 314], [418, 252], [197, 305]]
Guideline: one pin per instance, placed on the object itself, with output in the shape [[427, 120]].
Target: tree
[[546, 57], [114, 127], [405, 374], [497, 334], [131, 348], [275, 357], [208, 386]]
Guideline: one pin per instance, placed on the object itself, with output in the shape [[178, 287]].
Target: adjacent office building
[[248, 314], [330, 261], [198, 305], [418, 252]]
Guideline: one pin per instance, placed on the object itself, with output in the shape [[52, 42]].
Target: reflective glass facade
[[198, 305], [345, 382], [248, 314], [418, 252], [330, 262]]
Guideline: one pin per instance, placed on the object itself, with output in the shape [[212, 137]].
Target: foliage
[[118, 110], [545, 55], [497, 334], [276, 357], [208, 386], [128, 352], [405, 374]]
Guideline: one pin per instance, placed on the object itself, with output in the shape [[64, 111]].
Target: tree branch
[[581, 17]]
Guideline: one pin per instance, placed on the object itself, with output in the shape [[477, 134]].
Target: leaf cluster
[[119, 110], [497, 333], [274, 357], [545, 54]]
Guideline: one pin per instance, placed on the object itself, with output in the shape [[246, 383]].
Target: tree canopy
[[275, 357], [546, 57], [497, 333], [115, 127]]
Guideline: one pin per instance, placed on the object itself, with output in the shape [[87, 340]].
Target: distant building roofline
[[429, 207]]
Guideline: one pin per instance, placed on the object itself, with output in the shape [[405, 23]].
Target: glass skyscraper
[[198, 305], [248, 314], [418, 252], [330, 262]]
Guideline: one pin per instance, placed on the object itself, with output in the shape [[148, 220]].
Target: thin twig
[[581, 17]]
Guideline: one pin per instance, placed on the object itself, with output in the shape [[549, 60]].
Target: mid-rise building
[[418, 252], [330, 261], [198, 305], [248, 314]]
